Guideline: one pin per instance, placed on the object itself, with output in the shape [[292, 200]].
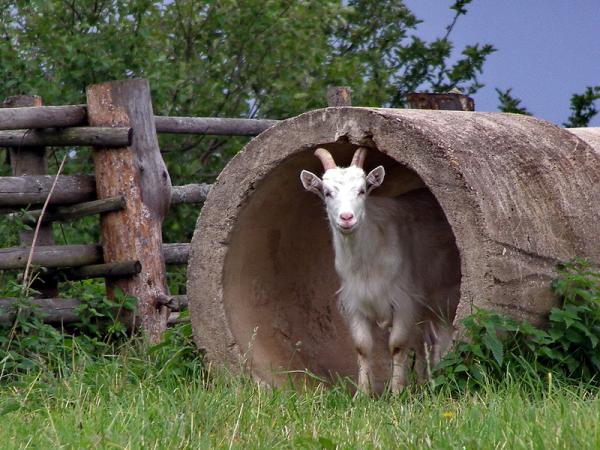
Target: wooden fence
[[131, 191]]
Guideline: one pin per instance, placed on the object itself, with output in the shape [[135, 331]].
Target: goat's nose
[[346, 216]]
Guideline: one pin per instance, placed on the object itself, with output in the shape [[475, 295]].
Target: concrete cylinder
[[520, 195]]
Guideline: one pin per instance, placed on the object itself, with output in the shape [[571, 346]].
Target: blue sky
[[546, 49]]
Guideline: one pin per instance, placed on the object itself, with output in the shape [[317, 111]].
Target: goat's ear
[[311, 182], [375, 178]]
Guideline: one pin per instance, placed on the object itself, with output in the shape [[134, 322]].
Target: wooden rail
[[34, 189], [50, 124], [212, 125], [108, 137], [54, 256], [63, 311], [42, 117], [67, 213]]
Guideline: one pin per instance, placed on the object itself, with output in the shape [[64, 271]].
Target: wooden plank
[[104, 136], [189, 193], [33, 189], [42, 117], [139, 172], [212, 125]]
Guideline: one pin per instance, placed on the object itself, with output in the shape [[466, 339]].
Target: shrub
[[497, 346]]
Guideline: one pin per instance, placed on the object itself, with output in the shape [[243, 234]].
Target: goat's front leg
[[362, 335], [398, 345]]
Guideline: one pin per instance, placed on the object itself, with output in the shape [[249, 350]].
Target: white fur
[[397, 265]]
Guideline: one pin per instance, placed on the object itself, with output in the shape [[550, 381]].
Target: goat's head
[[344, 189]]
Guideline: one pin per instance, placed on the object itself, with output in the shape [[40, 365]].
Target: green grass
[[149, 400]]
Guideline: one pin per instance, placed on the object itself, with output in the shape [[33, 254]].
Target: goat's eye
[[361, 192], [328, 194]]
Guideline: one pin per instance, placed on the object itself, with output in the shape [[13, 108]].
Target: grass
[[63, 391], [140, 399]]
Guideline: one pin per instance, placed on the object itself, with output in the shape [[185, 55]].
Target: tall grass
[[143, 399], [510, 386]]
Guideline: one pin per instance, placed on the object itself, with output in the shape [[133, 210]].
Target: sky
[[547, 50]]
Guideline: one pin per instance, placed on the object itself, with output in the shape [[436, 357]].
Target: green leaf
[[492, 342]]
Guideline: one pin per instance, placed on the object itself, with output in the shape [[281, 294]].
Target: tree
[[510, 104], [583, 107], [230, 58]]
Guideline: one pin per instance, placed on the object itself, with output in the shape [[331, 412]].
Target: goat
[[397, 263]]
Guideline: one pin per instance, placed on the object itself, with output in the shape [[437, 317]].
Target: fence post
[[339, 96], [138, 173], [32, 161]]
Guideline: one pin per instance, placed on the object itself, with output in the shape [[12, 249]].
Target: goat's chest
[[369, 285]]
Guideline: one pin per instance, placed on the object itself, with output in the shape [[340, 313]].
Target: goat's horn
[[325, 158], [358, 159]]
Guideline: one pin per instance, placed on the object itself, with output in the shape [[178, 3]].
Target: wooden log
[[22, 191], [14, 258], [107, 137], [175, 302], [339, 96], [212, 125], [189, 193], [33, 189], [32, 161], [175, 318], [42, 117], [139, 172], [108, 270], [178, 303], [176, 254], [66, 213], [53, 310], [50, 256], [59, 310]]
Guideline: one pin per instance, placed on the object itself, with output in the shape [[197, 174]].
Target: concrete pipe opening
[[261, 281]]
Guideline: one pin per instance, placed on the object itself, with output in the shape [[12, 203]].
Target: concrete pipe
[[520, 195]]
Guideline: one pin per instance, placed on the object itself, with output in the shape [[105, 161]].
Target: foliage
[[583, 107], [497, 346], [232, 58], [101, 317], [27, 341], [510, 104], [29, 344]]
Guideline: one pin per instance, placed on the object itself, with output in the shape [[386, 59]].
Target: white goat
[[397, 262]]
